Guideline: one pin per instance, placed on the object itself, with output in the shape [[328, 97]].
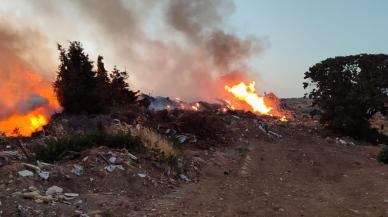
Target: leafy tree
[[349, 91], [76, 85], [121, 95], [103, 82]]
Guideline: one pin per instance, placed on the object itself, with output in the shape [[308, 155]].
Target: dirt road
[[299, 175]]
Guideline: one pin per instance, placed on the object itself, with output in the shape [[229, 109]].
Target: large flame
[[247, 93], [24, 124]]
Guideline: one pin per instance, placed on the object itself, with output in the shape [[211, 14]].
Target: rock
[[25, 173], [54, 190]]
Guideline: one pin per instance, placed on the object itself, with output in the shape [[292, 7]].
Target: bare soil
[[301, 173]]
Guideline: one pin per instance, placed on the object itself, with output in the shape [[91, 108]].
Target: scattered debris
[[77, 170], [25, 173], [182, 139], [44, 175], [184, 177], [340, 141], [133, 157], [54, 190], [110, 168], [141, 174], [112, 159], [70, 196]]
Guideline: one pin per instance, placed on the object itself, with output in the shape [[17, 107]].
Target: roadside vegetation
[[348, 92]]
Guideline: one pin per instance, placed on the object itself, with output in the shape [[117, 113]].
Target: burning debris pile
[[242, 97]]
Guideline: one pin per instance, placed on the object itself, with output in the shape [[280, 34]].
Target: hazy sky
[[297, 33], [304, 32]]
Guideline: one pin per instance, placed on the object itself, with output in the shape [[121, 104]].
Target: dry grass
[[153, 140]]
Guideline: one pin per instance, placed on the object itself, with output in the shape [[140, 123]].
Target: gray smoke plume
[[23, 106], [176, 48]]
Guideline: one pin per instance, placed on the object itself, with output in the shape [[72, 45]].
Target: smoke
[[23, 106], [176, 48], [22, 88]]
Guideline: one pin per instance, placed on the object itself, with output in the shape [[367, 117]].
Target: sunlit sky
[[299, 34], [304, 32]]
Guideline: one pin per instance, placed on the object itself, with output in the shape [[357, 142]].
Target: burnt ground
[[293, 171]]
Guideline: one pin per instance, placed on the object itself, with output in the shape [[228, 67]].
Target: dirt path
[[295, 176]]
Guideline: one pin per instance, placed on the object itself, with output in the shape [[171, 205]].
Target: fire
[[37, 122], [24, 123], [247, 94], [283, 118]]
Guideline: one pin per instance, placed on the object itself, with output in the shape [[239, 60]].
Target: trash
[[171, 131], [77, 170], [340, 141], [103, 158], [30, 195], [133, 157], [32, 188], [12, 154], [44, 175], [141, 174], [26, 173], [274, 134], [43, 164], [182, 138], [184, 178], [54, 190], [237, 117], [110, 168], [112, 159], [36, 168], [70, 196], [40, 198]]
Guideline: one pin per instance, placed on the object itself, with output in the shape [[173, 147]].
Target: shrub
[[55, 149], [349, 91], [383, 155]]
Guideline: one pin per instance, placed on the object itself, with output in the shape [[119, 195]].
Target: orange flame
[[25, 124], [247, 93], [37, 122]]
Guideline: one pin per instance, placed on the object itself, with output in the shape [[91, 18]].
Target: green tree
[[349, 91], [103, 82], [76, 85], [120, 92]]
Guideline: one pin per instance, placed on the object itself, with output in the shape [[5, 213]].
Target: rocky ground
[[253, 167]]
